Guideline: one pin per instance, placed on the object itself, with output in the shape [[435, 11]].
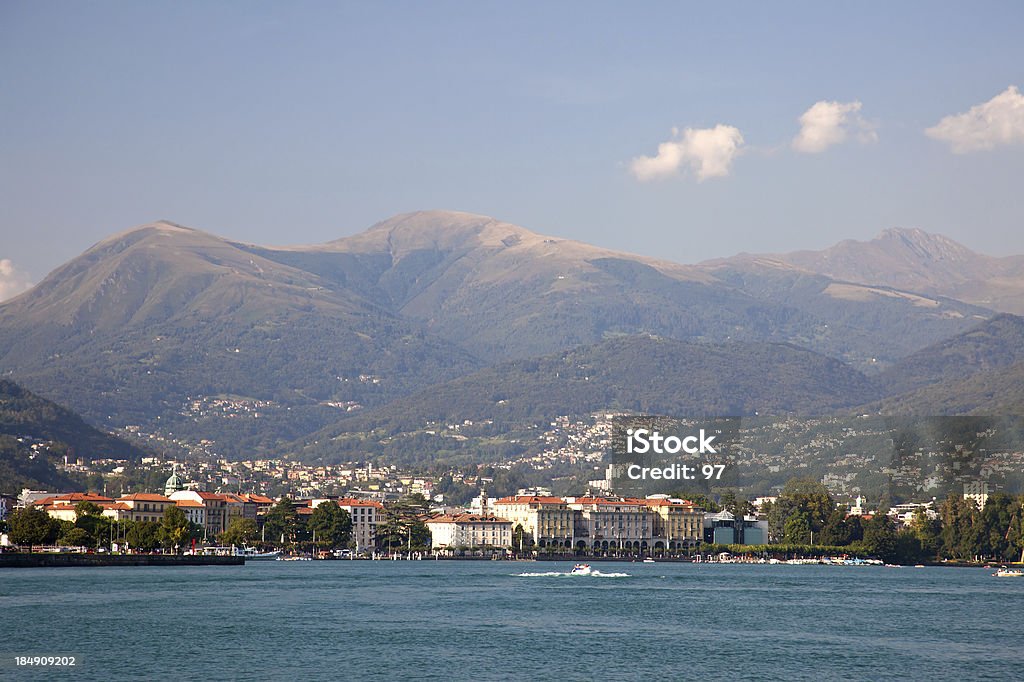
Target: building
[[216, 509], [546, 521], [465, 531], [62, 507], [904, 514], [145, 506], [651, 525], [976, 492], [29, 497], [678, 524], [366, 515], [7, 503], [195, 512], [723, 528], [592, 524], [602, 524], [173, 484]]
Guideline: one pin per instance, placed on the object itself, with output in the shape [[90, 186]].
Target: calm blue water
[[484, 621]]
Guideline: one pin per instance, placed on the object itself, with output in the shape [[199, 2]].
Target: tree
[[880, 538], [143, 535], [76, 537], [87, 508], [240, 531], [32, 526], [89, 517], [700, 500], [803, 498], [282, 522], [961, 530], [402, 527], [927, 531], [797, 529], [175, 528], [331, 525], [736, 506]]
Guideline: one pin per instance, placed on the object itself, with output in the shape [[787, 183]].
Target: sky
[[685, 131]]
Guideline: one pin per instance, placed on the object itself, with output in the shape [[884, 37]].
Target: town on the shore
[[802, 520]]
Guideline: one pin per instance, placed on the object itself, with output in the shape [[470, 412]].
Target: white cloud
[[998, 121], [12, 280], [707, 151], [830, 123]]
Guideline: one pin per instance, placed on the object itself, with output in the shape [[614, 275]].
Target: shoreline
[[69, 559]]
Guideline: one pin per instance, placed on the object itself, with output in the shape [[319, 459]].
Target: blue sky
[[281, 123]]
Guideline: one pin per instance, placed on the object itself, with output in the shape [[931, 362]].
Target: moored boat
[[1008, 573]]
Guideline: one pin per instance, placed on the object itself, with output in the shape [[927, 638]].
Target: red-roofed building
[[216, 509], [194, 511], [546, 521], [146, 506]]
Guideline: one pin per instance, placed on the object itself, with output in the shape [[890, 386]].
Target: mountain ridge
[[912, 260], [152, 326]]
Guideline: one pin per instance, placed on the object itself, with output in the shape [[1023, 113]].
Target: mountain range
[[441, 315]]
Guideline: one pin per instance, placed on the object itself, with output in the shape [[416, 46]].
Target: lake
[[444, 620]]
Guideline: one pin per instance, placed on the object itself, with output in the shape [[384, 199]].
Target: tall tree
[[331, 525], [880, 538], [240, 531], [281, 522], [175, 528], [143, 536], [32, 526]]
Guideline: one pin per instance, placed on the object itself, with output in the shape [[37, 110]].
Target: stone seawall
[[48, 560]]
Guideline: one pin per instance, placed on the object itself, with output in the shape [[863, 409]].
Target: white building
[[366, 515], [469, 530], [195, 511]]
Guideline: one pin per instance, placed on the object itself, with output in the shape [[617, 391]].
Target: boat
[[580, 569], [1008, 573], [294, 558], [648, 560], [253, 554]]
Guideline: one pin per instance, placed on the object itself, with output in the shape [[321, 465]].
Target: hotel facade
[[601, 524]]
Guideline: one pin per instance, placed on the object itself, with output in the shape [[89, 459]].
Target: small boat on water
[[253, 554], [1008, 573], [648, 560], [580, 569]]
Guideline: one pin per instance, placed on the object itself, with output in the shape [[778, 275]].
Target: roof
[[529, 499], [468, 518], [146, 497], [353, 502], [190, 503], [119, 506], [73, 498]]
